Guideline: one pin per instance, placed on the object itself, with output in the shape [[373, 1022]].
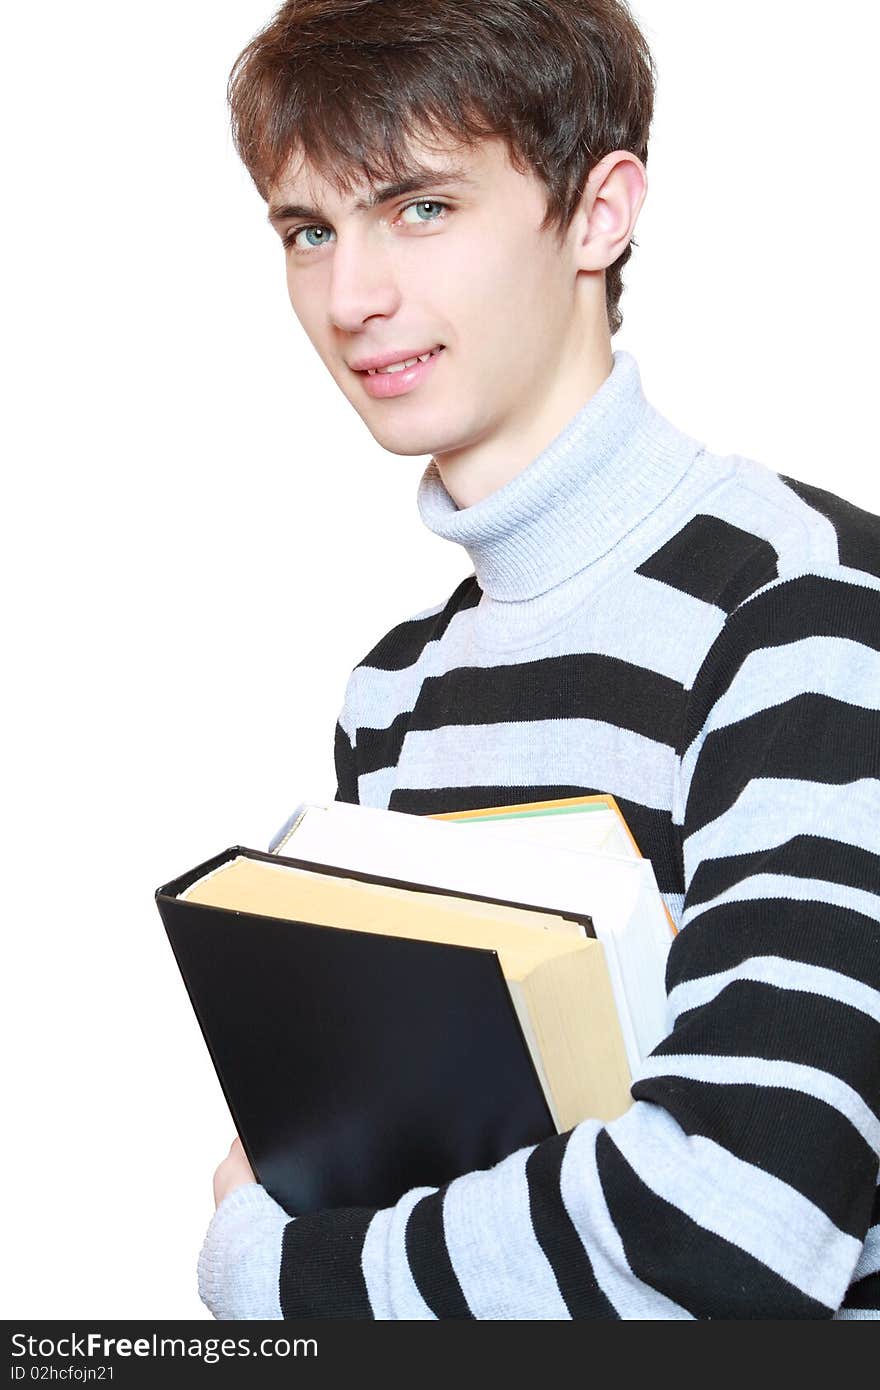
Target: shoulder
[[825, 572], [404, 644], [856, 532], [751, 527], [804, 634], [793, 565], [796, 526]]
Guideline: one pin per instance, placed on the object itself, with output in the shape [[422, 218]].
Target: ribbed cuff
[[240, 1260]]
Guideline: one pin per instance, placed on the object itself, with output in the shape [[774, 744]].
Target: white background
[[200, 538]]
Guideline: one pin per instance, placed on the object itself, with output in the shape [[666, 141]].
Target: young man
[[456, 188]]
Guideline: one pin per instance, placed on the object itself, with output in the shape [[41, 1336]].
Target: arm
[[741, 1181]]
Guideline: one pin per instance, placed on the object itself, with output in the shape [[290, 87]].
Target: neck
[[611, 465], [473, 472]]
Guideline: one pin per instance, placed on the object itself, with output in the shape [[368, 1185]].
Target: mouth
[[384, 379], [388, 368]]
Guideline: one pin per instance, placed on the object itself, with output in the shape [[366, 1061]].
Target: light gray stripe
[[348, 721], [770, 810], [431, 612], [581, 752], [833, 666], [607, 627], [869, 1260], [848, 575], [738, 1202], [857, 1314], [373, 699], [584, 1201], [503, 1271], [391, 1289], [759, 1071], [560, 624], [764, 506], [812, 890], [374, 1265], [375, 788], [781, 974]]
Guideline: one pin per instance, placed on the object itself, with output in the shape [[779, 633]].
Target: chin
[[411, 438]]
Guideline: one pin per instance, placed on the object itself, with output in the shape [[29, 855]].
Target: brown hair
[[346, 83]]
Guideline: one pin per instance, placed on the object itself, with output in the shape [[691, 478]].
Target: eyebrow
[[414, 183]]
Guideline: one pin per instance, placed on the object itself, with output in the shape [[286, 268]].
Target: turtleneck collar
[[613, 463]]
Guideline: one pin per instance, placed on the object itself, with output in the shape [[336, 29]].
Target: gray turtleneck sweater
[[700, 637]]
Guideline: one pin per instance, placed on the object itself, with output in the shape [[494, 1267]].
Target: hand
[[233, 1172]]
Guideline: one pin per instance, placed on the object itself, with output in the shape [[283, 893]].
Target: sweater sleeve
[[742, 1180]]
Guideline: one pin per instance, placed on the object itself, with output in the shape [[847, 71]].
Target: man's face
[[454, 265]]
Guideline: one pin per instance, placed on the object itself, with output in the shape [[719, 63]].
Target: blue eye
[[424, 205], [324, 235], [311, 238]]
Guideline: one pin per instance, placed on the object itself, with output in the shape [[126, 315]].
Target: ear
[[610, 206]]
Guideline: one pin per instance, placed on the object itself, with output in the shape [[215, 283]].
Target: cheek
[[477, 295], [307, 306]]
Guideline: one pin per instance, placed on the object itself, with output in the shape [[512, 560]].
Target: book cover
[[355, 1067]]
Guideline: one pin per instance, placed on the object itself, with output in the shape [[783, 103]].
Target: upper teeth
[[399, 366]]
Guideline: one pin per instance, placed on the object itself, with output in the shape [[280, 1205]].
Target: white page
[[598, 830]]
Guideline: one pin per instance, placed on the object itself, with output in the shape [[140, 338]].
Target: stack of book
[[393, 1000]]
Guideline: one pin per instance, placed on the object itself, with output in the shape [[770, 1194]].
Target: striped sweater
[[700, 637]]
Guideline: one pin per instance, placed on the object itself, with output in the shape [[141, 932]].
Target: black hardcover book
[[355, 1066]]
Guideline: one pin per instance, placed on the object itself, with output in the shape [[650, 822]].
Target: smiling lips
[[396, 378]]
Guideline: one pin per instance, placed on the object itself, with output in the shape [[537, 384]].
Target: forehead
[[479, 164]]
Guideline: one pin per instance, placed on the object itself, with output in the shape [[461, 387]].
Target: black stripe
[[404, 644], [781, 1132], [808, 606], [703, 1272], [811, 737], [429, 1260], [823, 934], [321, 1273], [803, 856], [431, 801], [756, 1020], [865, 1293], [379, 748], [714, 561], [858, 532], [346, 768], [578, 686], [557, 1236], [658, 840]]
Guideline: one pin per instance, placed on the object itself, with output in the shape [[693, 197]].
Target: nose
[[362, 280]]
